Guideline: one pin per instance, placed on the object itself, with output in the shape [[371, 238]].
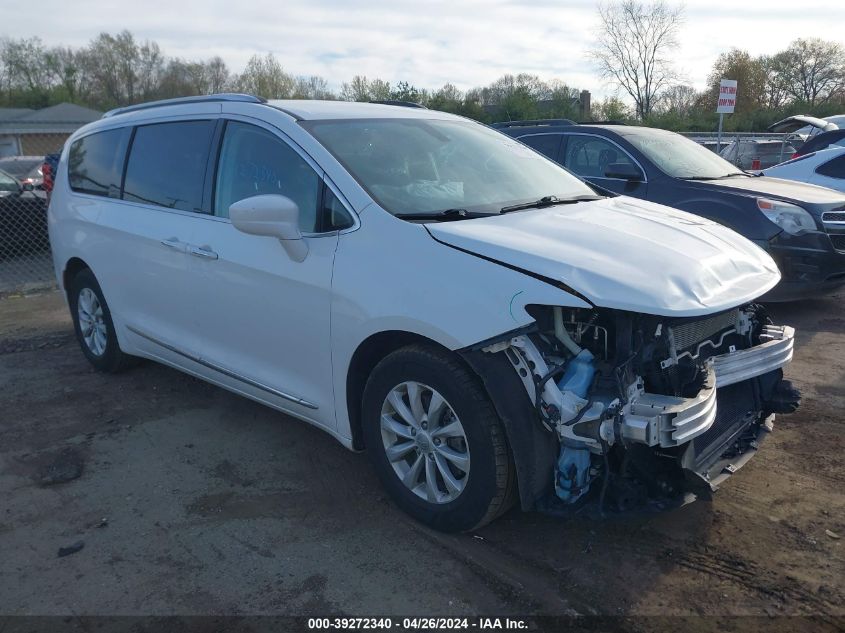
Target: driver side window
[[590, 156], [254, 162]]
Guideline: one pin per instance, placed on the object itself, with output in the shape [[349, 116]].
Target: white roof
[[312, 110]]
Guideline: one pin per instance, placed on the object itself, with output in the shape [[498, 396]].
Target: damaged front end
[[652, 407]]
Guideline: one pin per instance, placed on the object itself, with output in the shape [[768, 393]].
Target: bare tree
[[312, 87], [632, 51], [679, 99], [217, 75], [812, 70]]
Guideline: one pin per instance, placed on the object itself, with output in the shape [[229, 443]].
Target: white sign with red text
[[727, 96]]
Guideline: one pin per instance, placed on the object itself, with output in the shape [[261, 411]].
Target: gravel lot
[[192, 500]]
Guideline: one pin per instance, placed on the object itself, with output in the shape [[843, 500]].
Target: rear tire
[[93, 325], [449, 466]]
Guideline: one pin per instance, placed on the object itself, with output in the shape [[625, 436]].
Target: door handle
[[202, 251], [174, 242]]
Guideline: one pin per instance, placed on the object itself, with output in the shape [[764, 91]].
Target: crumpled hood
[[625, 254]]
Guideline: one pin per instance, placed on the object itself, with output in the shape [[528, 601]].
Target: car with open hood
[[804, 126], [789, 219], [488, 327]]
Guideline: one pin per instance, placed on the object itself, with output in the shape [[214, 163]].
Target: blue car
[[799, 225]]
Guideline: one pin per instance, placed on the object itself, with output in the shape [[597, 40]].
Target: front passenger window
[[590, 156], [255, 162]]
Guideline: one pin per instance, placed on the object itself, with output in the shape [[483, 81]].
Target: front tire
[[435, 440], [93, 324]]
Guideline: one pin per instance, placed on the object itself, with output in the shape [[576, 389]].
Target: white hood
[[624, 253]]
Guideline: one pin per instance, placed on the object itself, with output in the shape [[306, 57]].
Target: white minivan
[[487, 326]]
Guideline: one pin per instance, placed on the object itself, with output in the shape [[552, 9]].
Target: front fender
[[534, 449]]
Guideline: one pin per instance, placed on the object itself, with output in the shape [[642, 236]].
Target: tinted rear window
[[833, 168], [167, 164], [95, 162]]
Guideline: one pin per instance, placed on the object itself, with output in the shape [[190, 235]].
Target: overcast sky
[[428, 43]]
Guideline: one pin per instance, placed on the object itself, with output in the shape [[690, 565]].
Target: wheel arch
[[72, 268], [533, 451], [366, 356]]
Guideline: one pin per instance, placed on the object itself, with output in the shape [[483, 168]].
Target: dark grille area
[[838, 241], [833, 216], [733, 403]]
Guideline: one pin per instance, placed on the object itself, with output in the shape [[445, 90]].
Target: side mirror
[[623, 171], [271, 216]]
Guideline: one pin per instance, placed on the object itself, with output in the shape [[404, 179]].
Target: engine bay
[[653, 407]]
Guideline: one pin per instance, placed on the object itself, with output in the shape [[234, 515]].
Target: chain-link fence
[[27, 164], [750, 150]]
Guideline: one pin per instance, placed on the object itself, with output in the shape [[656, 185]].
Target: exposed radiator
[[691, 333]]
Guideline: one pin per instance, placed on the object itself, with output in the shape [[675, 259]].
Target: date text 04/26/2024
[[417, 624]]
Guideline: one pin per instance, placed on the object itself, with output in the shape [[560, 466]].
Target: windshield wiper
[[446, 214], [548, 201], [730, 175]]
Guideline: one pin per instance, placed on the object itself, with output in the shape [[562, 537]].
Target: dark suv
[[800, 225]]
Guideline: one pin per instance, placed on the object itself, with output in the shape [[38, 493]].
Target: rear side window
[[546, 144], [95, 162], [167, 164], [833, 168]]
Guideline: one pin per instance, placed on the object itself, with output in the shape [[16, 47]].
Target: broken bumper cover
[[668, 421], [708, 479]]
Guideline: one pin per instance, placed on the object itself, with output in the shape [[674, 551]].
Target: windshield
[[425, 166], [680, 157], [21, 168], [7, 183]]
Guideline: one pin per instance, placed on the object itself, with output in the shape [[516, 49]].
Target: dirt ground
[[192, 500]]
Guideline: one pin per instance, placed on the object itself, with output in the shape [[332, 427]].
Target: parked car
[[804, 127], [26, 169], [747, 153], [825, 168], [23, 219], [486, 325], [821, 141], [48, 169], [785, 218]]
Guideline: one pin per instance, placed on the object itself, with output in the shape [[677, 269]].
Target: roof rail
[[608, 122], [226, 96], [504, 124], [404, 104]]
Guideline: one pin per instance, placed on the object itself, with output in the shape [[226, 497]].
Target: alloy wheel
[[425, 442], [92, 323]]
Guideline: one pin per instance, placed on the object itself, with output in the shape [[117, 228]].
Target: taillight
[[47, 173], [795, 155]]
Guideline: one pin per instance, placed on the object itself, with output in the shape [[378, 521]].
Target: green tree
[[750, 75], [265, 77], [611, 109]]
